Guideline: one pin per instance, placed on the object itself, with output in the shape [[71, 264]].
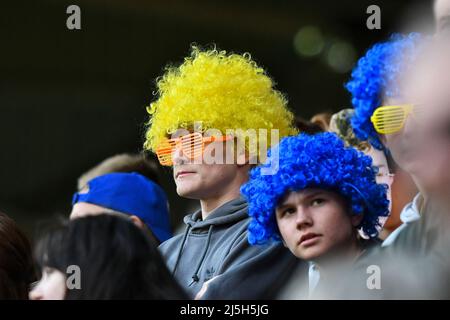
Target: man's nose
[[178, 156], [303, 218], [35, 294]]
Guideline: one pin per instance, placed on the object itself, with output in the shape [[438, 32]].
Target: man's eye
[[317, 202], [444, 25], [288, 211]]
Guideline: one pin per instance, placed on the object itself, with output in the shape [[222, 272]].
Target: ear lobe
[[356, 219], [137, 221]]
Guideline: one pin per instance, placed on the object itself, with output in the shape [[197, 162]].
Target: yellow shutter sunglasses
[[391, 119]]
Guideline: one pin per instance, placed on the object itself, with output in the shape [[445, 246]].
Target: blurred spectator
[[130, 195], [102, 257], [16, 262], [375, 83], [340, 123]]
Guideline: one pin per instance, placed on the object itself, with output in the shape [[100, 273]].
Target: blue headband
[[132, 194]]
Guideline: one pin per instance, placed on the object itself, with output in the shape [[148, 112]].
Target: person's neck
[[230, 191], [403, 191], [211, 204], [420, 188], [339, 258]]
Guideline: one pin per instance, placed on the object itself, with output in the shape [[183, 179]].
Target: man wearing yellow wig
[[204, 109]]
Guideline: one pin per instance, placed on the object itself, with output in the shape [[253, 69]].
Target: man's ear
[[356, 219], [137, 221]]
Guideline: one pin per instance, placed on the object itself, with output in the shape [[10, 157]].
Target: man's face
[[403, 144], [315, 223], [442, 16], [430, 85], [198, 180], [436, 179]]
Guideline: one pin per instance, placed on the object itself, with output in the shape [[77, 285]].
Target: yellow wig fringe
[[223, 91]]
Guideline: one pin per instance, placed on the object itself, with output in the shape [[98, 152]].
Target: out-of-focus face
[[442, 16], [436, 180], [403, 145], [52, 286], [429, 84], [383, 176], [379, 160], [197, 180], [315, 223]]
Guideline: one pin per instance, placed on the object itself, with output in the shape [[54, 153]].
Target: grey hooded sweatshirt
[[217, 247]]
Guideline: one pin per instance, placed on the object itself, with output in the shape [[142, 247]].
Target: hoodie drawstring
[[205, 250], [180, 251]]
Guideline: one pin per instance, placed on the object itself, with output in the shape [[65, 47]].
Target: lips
[[183, 173], [308, 237]]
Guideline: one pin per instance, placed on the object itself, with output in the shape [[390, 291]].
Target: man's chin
[[414, 168], [187, 193]]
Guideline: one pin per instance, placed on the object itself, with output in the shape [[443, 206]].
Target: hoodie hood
[[228, 213]]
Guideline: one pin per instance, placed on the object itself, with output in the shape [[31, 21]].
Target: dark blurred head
[[322, 120], [116, 259], [305, 126], [16, 263]]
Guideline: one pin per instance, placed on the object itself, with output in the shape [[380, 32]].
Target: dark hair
[[305, 126], [16, 261], [117, 260]]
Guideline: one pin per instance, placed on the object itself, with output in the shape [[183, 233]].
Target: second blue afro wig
[[374, 77], [317, 161]]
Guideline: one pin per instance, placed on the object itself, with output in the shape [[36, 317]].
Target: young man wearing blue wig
[[323, 203]]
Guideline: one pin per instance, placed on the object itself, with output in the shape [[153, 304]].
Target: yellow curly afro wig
[[222, 91]]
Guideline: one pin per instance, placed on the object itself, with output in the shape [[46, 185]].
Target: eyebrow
[[307, 195]]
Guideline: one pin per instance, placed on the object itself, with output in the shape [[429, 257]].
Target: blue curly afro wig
[[374, 77], [316, 161]]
